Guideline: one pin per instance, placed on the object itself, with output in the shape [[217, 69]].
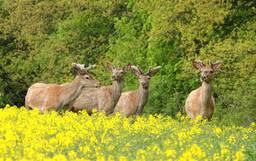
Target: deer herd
[[86, 93]]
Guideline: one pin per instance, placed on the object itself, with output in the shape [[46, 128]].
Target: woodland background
[[39, 39]]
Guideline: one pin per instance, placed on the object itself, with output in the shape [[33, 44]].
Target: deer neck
[[142, 99], [206, 95], [72, 91], [116, 90]]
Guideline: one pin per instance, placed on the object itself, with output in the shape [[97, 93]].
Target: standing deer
[[201, 101], [47, 97], [105, 98], [132, 102]]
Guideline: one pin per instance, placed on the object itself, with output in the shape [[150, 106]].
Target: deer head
[[82, 73], [144, 78], [117, 73], [206, 72]]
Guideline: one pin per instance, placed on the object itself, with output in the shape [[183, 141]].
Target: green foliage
[[40, 39]]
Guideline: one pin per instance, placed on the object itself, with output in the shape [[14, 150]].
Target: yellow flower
[[141, 154], [216, 156], [111, 158], [94, 110], [72, 154], [122, 158], [245, 137], [197, 151], [111, 147], [170, 152], [224, 150], [100, 158], [59, 157], [8, 159], [31, 135], [198, 119], [239, 156], [217, 131], [231, 139], [178, 115], [85, 149]]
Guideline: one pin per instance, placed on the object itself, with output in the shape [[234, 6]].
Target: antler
[[137, 69], [79, 66], [90, 67]]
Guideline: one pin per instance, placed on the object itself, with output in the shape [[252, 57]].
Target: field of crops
[[30, 135]]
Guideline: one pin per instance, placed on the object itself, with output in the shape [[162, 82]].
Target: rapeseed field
[[31, 135]]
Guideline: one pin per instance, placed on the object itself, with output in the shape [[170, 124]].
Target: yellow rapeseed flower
[[31, 135], [217, 131], [122, 158], [170, 153], [239, 156], [231, 139]]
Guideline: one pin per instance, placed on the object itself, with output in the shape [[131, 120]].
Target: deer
[[105, 98], [201, 101], [53, 97], [133, 102]]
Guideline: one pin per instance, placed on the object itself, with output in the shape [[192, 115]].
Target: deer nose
[[113, 77], [145, 85], [202, 78]]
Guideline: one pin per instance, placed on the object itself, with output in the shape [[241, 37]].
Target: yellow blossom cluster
[[31, 135]]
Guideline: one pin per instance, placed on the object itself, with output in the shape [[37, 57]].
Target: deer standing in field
[[201, 101], [105, 98], [133, 102], [48, 97]]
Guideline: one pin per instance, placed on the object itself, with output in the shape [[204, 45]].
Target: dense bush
[[40, 39]]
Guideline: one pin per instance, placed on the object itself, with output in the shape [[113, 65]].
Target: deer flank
[[47, 97]]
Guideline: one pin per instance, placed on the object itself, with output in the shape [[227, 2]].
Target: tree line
[[40, 39]]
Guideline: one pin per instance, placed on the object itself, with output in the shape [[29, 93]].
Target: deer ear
[[136, 70], [153, 71], [215, 66], [198, 64], [109, 66]]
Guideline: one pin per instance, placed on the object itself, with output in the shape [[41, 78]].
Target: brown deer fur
[[47, 97], [201, 101], [133, 102], [105, 98]]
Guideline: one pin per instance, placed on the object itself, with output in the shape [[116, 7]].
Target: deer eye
[[87, 77], [149, 78]]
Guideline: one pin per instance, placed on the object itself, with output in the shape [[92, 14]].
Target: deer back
[[54, 96]]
